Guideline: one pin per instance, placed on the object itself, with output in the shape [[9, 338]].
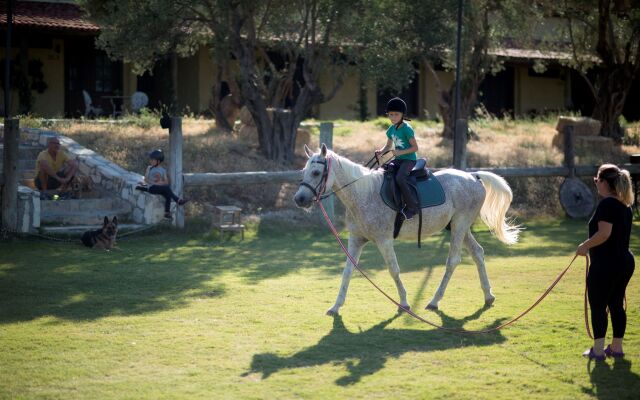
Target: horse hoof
[[488, 302], [431, 307], [402, 309], [332, 313]]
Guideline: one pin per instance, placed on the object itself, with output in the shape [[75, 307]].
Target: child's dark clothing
[[159, 174], [164, 191], [404, 163], [404, 167]]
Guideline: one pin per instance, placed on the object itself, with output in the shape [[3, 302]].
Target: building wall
[[207, 73], [536, 94], [50, 103], [429, 93], [129, 80], [344, 104]]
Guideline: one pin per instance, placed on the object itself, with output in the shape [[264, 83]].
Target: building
[[55, 47]]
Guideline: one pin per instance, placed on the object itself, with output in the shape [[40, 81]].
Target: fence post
[[175, 170], [460, 144], [326, 137], [10, 170], [569, 152]]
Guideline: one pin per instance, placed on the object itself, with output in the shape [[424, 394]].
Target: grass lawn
[[184, 316]]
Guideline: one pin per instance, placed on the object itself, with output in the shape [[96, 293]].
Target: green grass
[[185, 316]]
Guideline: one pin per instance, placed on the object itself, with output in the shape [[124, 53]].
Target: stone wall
[[147, 208], [28, 209]]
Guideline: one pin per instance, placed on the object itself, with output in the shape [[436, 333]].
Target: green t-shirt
[[400, 138]]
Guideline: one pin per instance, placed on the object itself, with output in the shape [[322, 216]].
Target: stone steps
[[83, 211]]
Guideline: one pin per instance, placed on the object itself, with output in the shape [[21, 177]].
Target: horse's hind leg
[[453, 259], [356, 243], [389, 255], [477, 253]]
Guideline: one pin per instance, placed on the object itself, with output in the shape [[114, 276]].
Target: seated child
[[156, 181]]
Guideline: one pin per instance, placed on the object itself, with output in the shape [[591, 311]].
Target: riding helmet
[[396, 104], [157, 154]]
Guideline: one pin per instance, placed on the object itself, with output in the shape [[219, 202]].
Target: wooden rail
[[261, 177]]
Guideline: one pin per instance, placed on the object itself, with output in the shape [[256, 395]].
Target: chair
[[89, 109], [227, 219], [139, 100]]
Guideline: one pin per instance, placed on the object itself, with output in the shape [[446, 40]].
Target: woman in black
[[612, 262]]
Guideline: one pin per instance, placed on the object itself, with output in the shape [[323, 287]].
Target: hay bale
[[582, 127], [594, 144]]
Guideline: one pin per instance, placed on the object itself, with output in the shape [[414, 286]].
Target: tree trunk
[[283, 137], [616, 74], [446, 105], [612, 93]]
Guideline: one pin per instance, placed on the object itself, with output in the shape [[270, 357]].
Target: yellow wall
[[429, 93], [534, 93], [344, 104], [207, 73], [129, 80], [50, 103]]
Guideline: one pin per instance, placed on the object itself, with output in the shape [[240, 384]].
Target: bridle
[[319, 190], [321, 187]]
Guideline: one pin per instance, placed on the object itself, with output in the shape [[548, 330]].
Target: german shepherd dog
[[103, 238]]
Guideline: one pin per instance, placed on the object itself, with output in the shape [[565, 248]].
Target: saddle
[[426, 187]]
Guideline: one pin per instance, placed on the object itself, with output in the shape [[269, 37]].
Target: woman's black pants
[[606, 284]]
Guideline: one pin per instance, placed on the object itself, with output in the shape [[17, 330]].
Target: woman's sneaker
[[593, 356], [615, 354], [168, 216], [182, 202]]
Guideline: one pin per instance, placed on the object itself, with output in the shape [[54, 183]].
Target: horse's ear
[[308, 151], [323, 150]]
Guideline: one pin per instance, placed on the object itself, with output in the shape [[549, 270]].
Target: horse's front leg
[[389, 255], [356, 243]]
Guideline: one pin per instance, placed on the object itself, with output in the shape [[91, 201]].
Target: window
[[104, 76]]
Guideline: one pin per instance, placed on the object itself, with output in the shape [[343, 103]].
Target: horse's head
[[316, 177]]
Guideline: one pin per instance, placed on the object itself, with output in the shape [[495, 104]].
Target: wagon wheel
[[576, 198]]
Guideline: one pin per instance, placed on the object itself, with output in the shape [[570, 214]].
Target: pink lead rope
[[414, 315]]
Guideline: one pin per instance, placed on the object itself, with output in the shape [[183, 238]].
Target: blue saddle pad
[[430, 192]]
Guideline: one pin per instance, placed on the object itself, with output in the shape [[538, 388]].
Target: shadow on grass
[[613, 382], [71, 282], [167, 270], [364, 353]]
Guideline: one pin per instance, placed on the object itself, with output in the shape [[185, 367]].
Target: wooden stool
[[227, 219]]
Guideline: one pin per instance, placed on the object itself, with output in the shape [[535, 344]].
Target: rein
[[320, 188], [414, 315]]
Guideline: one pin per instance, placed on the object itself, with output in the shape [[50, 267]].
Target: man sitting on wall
[[54, 169]]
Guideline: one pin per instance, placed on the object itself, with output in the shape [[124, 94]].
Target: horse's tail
[[496, 204]]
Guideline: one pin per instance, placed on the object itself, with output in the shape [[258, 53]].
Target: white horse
[[369, 219]]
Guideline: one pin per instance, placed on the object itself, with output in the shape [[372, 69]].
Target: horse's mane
[[367, 178]]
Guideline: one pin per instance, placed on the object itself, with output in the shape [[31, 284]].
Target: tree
[[274, 51], [604, 35], [487, 25]]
